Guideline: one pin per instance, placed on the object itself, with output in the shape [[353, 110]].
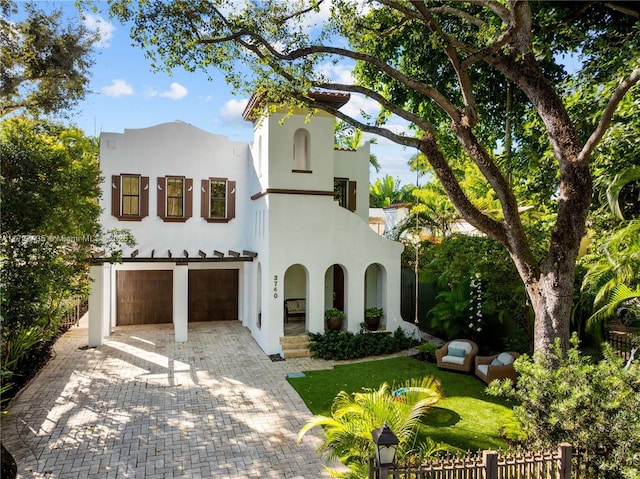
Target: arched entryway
[[295, 300], [335, 292]]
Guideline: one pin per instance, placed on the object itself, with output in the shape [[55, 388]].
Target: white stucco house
[[229, 230]]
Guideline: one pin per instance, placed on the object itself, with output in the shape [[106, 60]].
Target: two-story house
[[229, 230]]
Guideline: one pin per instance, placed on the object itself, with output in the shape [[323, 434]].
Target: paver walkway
[[143, 406]]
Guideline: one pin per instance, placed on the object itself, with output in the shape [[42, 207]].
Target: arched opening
[[295, 300], [301, 150], [335, 294]]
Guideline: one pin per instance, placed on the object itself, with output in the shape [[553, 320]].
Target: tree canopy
[[44, 64], [452, 70]]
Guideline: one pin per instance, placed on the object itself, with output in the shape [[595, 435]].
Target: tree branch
[[495, 229], [462, 73], [393, 108], [609, 110]]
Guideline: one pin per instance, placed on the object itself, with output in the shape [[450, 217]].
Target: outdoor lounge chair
[[458, 355], [498, 366]]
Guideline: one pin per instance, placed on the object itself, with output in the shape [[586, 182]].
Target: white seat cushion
[[505, 358], [453, 359], [483, 369]]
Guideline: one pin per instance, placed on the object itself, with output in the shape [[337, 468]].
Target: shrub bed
[[346, 345]]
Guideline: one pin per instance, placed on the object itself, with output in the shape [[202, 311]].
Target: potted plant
[[372, 317], [334, 318]]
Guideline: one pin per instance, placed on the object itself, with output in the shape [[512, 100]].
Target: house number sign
[[275, 285]]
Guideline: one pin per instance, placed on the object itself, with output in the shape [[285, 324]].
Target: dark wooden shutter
[[351, 202], [162, 203], [144, 196], [204, 199], [115, 195], [231, 199], [188, 198]]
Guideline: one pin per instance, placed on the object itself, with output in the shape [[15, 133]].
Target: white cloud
[[96, 23], [358, 104], [339, 73], [176, 92], [118, 88], [232, 110]]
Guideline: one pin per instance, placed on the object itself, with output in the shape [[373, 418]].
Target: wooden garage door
[[144, 297], [213, 294]]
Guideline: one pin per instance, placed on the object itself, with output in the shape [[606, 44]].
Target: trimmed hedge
[[346, 345]]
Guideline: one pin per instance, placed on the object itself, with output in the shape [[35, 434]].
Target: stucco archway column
[[315, 301], [99, 301], [354, 299], [181, 302]]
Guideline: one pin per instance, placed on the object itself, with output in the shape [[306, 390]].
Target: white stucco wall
[[177, 149]]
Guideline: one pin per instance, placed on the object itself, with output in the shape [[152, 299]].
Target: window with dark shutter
[[218, 200], [129, 197], [175, 198]]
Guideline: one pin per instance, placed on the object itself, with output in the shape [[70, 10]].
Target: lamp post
[[386, 446]]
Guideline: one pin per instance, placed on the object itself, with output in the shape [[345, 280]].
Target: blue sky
[[125, 93]]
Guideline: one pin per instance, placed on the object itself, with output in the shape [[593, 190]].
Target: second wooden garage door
[[213, 295]]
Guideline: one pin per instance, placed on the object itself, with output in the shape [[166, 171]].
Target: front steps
[[295, 346]]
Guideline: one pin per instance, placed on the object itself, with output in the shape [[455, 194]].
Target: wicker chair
[[465, 362], [488, 372]]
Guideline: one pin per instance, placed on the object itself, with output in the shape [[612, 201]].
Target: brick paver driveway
[[143, 406]]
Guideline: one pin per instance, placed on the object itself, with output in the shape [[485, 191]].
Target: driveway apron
[[143, 406]]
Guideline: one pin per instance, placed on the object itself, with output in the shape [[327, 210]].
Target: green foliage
[[595, 406], [428, 350], [44, 65], [347, 345], [49, 184], [353, 416], [612, 265], [452, 265], [334, 313], [50, 179], [387, 191], [374, 312]]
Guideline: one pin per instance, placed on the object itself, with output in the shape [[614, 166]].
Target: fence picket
[[542, 464]]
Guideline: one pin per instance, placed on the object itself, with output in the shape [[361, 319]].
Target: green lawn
[[466, 417]]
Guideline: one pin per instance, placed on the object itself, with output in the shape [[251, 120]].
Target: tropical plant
[[347, 432], [451, 266], [615, 187], [350, 138], [334, 313], [373, 312], [387, 191], [613, 273], [595, 406]]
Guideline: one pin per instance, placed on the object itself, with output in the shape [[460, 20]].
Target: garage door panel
[[144, 297], [213, 295]]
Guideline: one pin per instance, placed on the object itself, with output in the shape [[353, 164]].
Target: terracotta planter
[[372, 323], [334, 323]]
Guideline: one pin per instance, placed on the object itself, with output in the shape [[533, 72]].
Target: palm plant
[[612, 277], [347, 432]]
